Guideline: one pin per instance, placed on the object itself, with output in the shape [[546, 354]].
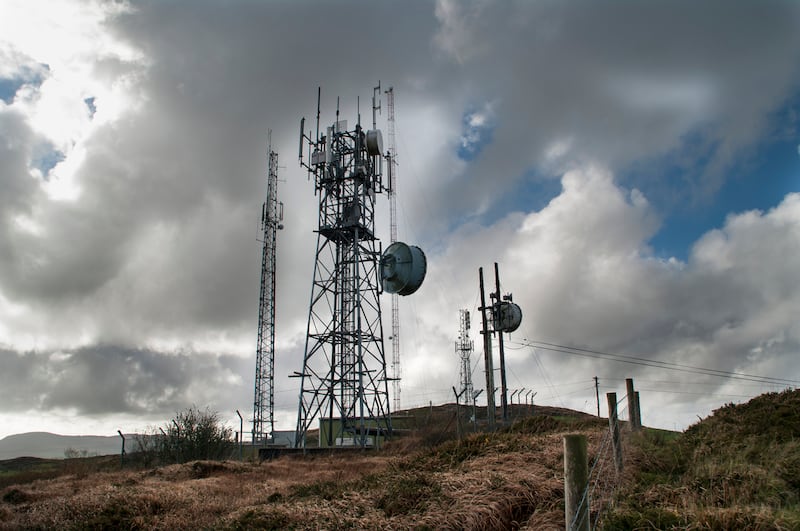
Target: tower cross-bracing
[[344, 380], [264, 399], [464, 349]]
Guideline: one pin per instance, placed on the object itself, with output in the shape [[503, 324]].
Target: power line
[[633, 360], [693, 393], [760, 385], [547, 380]]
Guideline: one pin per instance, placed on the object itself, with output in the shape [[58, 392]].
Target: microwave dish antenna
[[507, 317], [403, 268]]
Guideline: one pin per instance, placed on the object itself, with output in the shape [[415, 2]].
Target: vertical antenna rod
[[264, 399], [376, 103], [392, 193]]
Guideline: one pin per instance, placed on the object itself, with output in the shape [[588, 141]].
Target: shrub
[[195, 434]]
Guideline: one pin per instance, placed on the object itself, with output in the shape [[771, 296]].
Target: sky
[[633, 168]]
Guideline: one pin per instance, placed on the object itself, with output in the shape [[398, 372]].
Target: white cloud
[[582, 272]]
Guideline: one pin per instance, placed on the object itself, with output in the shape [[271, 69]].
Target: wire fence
[[602, 480]]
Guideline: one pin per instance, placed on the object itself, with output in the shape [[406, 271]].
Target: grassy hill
[[738, 469]]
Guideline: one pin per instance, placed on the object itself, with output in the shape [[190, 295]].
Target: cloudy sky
[[634, 168]]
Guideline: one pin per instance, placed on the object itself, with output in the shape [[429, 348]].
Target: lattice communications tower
[[264, 400], [344, 381], [391, 167], [464, 349]]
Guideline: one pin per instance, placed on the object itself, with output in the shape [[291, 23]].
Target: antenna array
[[344, 381]]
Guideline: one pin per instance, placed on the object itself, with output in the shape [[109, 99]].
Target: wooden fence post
[[576, 482], [631, 405], [613, 426]]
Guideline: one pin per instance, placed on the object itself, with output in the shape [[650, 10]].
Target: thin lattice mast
[[264, 399], [344, 381], [464, 349], [392, 193]]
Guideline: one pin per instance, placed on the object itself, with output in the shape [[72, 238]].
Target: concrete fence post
[[576, 481], [613, 426]]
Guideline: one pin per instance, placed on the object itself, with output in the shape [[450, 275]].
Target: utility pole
[[503, 386], [487, 357], [597, 393]]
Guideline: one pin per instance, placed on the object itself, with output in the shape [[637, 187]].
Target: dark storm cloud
[[165, 224], [105, 379]]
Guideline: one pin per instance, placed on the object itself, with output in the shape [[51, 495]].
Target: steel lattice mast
[[464, 349], [392, 192], [264, 399], [344, 368]]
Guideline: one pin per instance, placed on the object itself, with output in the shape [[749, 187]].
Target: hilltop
[[736, 469], [51, 445]]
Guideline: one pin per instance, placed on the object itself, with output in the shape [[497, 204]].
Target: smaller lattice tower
[[264, 395], [464, 349]]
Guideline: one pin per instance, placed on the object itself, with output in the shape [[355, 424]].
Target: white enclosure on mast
[[344, 379]]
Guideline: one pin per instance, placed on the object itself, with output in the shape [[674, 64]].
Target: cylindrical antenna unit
[[403, 268], [507, 317]]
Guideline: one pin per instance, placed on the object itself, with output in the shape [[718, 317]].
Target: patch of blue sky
[[28, 76], [90, 104], [45, 159], [478, 130], [759, 180], [9, 88], [532, 192]]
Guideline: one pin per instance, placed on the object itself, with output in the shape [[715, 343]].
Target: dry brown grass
[[499, 481]]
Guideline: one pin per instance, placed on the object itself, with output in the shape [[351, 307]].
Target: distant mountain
[[51, 445]]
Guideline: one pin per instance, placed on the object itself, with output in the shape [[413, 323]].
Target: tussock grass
[[506, 480], [738, 469], [722, 473]]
